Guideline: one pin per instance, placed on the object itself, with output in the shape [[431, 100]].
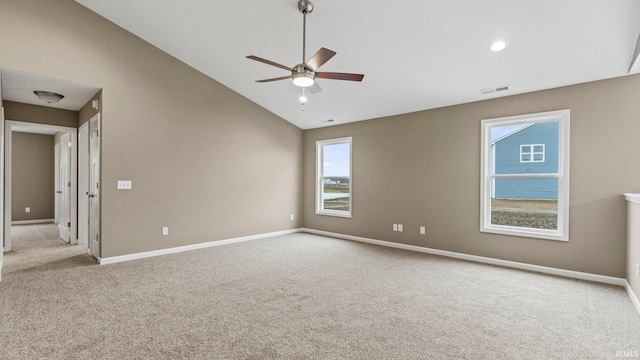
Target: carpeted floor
[[301, 296]]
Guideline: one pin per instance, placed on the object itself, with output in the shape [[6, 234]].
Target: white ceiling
[[415, 55], [19, 86]]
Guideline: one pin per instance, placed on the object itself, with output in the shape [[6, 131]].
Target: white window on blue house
[[333, 177], [532, 153], [525, 175]]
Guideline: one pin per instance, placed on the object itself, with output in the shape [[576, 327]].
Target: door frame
[[9, 127], [83, 185]]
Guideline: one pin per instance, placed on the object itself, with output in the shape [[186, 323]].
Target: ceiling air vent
[[494, 89]]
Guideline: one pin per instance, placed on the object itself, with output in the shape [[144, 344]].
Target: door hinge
[[68, 224], [69, 184], [97, 237]]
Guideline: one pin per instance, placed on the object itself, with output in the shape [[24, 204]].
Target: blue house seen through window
[[529, 149]]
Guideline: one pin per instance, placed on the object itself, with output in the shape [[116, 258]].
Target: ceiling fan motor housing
[[305, 6]]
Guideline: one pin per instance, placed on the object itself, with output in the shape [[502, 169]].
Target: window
[[525, 175], [532, 153], [333, 183]]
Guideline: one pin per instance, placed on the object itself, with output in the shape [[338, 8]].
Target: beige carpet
[[302, 296]]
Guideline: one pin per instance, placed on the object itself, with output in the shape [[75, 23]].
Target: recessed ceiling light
[[498, 45]]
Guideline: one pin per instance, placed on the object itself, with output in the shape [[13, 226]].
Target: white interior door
[[83, 184], [64, 181], [94, 184], [1, 182], [56, 179]]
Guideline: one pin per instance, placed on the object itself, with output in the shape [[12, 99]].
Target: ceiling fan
[[305, 74]]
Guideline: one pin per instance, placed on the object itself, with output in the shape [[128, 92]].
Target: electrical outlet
[[27, 209], [292, 217], [395, 227], [423, 230], [400, 227], [165, 231]]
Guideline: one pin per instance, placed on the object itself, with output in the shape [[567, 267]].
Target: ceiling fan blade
[[322, 56], [256, 58], [315, 88], [274, 79], [339, 76]]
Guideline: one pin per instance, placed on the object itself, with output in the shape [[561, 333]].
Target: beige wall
[[423, 169], [40, 114], [204, 161], [32, 176]]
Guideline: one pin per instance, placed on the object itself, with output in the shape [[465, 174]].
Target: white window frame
[[319, 175], [531, 153], [488, 174]]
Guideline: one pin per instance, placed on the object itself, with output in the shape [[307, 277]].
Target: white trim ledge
[[481, 259], [28, 222], [173, 250], [632, 295], [632, 197]]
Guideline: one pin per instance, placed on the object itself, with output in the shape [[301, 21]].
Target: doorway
[[67, 211], [18, 87]]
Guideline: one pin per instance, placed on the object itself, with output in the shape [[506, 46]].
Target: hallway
[[38, 247]]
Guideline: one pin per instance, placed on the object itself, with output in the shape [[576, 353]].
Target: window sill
[[525, 232], [334, 213]]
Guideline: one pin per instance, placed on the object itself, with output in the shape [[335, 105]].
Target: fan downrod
[[305, 7]]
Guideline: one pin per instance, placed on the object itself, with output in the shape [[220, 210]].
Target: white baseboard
[[146, 254], [27, 222], [512, 264], [632, 295]]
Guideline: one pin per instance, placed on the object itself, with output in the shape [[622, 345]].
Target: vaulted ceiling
[[415, 55]]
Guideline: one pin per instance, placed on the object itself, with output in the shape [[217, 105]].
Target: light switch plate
[[124, 184]]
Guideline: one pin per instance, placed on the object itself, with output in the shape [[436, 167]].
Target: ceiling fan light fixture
[[303, 79], [48, 96], [304, 74]]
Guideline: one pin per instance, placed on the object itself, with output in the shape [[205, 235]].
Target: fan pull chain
[[303, 99]]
